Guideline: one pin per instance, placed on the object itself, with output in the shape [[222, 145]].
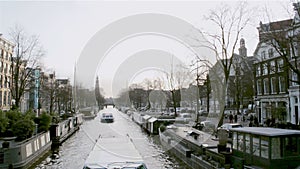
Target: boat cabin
[[113, 153], [261, 147]]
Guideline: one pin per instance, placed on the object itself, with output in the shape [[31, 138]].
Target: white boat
[[107, 117], [114, 153]]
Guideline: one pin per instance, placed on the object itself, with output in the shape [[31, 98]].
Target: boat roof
[[146, 117], [153, 119], [109, 151], [266, 131]]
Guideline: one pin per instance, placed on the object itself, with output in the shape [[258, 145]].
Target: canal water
[[75, 150]]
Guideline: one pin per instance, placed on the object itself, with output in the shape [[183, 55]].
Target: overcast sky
[[65, 28]]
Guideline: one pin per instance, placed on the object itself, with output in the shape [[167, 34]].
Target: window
[[294, 78], [265, 68], [276, 147], [280, 65], [0, 98], [273, 85], [4, 54], [255, 147], [266, 86], [272, 67], [240, 142], [258, 70], [1, 157], [4, 98], [282, 84], [234, 140], [8, 98], [294, 50], [296, 99], [270, 52], [247, 143], [259, 92], [291, 146], [264, 147], [263, 55]]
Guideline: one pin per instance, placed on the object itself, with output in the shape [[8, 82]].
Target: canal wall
[[195, 155]]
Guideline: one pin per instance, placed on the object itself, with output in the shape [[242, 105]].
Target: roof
[[109, 151], [265, 131], [153, 119], [278, 25], [146, 117]]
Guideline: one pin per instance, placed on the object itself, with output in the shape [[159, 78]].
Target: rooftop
[[264, 131]]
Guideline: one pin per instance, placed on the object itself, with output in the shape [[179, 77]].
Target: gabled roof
[[273, 26]]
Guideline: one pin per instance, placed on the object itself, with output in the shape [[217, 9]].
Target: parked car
[[107, 118], [203, 113], [185, 117], [249, 116], [208, 124], [227, 127]]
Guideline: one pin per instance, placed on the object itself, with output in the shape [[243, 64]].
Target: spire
[[242, 49]]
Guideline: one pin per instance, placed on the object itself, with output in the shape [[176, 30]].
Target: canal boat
[[269, 148], [109, 153], [250, 148], [107, 118]]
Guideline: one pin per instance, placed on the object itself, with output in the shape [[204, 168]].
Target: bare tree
[[202, 69], [230, 22], [48, 91], [123, 99], [99, 97], [28, 52], [178, 77]]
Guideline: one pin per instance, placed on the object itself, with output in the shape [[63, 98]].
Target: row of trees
[[99, 97], [26, 59], [27, 55]]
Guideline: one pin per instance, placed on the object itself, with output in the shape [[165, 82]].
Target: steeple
[[242, 49]]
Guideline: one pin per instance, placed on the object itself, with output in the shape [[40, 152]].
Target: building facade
[[6, 53], [277, 70], [271, 74]]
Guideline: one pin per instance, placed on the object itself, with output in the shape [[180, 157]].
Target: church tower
[[242, 49]]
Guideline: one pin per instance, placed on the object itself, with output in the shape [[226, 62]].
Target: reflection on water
[[75, 150]]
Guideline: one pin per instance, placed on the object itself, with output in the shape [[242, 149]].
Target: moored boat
[[107, 118], [109, 153]]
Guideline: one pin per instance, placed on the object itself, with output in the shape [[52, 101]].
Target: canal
[[76, 149]]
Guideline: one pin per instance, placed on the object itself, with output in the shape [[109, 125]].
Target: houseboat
[[21, 155], [249, 148], [269, 148], [109, 153], [61, 131]]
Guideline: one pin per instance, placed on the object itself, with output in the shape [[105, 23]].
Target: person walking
[[235, 118], [230, 118], [256, 121]]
